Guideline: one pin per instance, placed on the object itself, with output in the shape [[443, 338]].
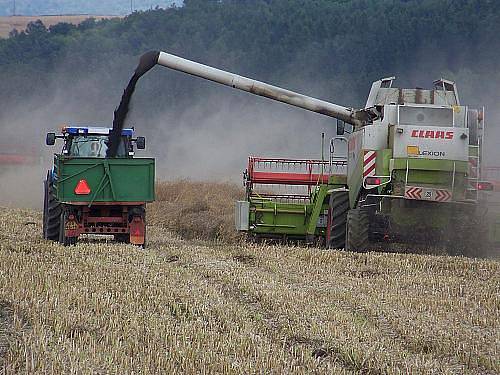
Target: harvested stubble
[[208, 307]]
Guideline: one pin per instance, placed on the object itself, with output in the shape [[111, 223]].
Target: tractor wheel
[[45, 204], [339, 205], [51, 213], [358, 227], [66, 241]]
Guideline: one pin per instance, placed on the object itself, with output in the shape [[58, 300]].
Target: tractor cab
[[92, 142]]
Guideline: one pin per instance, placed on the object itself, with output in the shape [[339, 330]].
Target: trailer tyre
[[339, 206], [357, 232], [122, 238], [51, 212]]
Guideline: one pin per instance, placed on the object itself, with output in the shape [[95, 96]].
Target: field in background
[[224, 306], [196, 210], [20, 22]]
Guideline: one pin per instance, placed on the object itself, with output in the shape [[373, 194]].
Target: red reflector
[[373, 181], [488, 186], [82, 188]]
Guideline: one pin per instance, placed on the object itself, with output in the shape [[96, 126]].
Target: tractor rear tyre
[[45, 204], [51, 212], [358, 228], [339, 206]]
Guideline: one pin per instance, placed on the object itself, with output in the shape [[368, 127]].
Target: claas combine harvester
[[411, 173]]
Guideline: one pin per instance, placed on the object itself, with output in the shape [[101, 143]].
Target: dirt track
[[189, 306]]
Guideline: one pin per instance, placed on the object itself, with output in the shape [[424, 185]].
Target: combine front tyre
[[339, 205], [357, 233]]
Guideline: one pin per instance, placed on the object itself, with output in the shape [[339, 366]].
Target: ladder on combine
[[474, 174]]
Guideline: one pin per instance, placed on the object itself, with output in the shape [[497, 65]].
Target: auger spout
[[150, 59], [255, 87]]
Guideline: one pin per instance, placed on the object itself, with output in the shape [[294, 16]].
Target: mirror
[[50, 140], [141, 143]]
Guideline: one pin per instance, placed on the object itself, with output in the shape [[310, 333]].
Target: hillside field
[[8, 23], [225, 306]]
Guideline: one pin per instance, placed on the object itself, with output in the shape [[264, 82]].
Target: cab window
[[94, 146]]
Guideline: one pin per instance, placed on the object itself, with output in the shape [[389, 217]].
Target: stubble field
[[192, 304]]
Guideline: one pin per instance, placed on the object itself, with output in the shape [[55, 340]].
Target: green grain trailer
[[88, 193]]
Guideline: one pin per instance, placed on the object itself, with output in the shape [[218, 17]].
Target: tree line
[[333, 49]]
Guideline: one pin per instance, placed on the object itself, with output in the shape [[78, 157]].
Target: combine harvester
[[412, 171]]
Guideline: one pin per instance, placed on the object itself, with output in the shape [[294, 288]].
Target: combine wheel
[[466, 237], [51, 212], [357, 232], [339, 205]]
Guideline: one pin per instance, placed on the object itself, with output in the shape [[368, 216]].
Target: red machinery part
[[373, 181], [82, 188], [492, 175], [14, 159], [485, 186], [137, 231], [305, 172], [71, 227]]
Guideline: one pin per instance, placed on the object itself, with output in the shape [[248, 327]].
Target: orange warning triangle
[[82, 188]]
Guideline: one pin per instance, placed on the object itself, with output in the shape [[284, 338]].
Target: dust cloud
[[210, 139]]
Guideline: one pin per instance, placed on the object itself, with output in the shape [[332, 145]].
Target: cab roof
[[86, 130]]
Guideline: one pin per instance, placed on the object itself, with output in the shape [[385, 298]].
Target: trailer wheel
[[51, 213], [122, 238], [145, 236], [339, 205], [357, 232]]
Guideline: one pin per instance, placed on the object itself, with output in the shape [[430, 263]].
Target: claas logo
[[433, 134]]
